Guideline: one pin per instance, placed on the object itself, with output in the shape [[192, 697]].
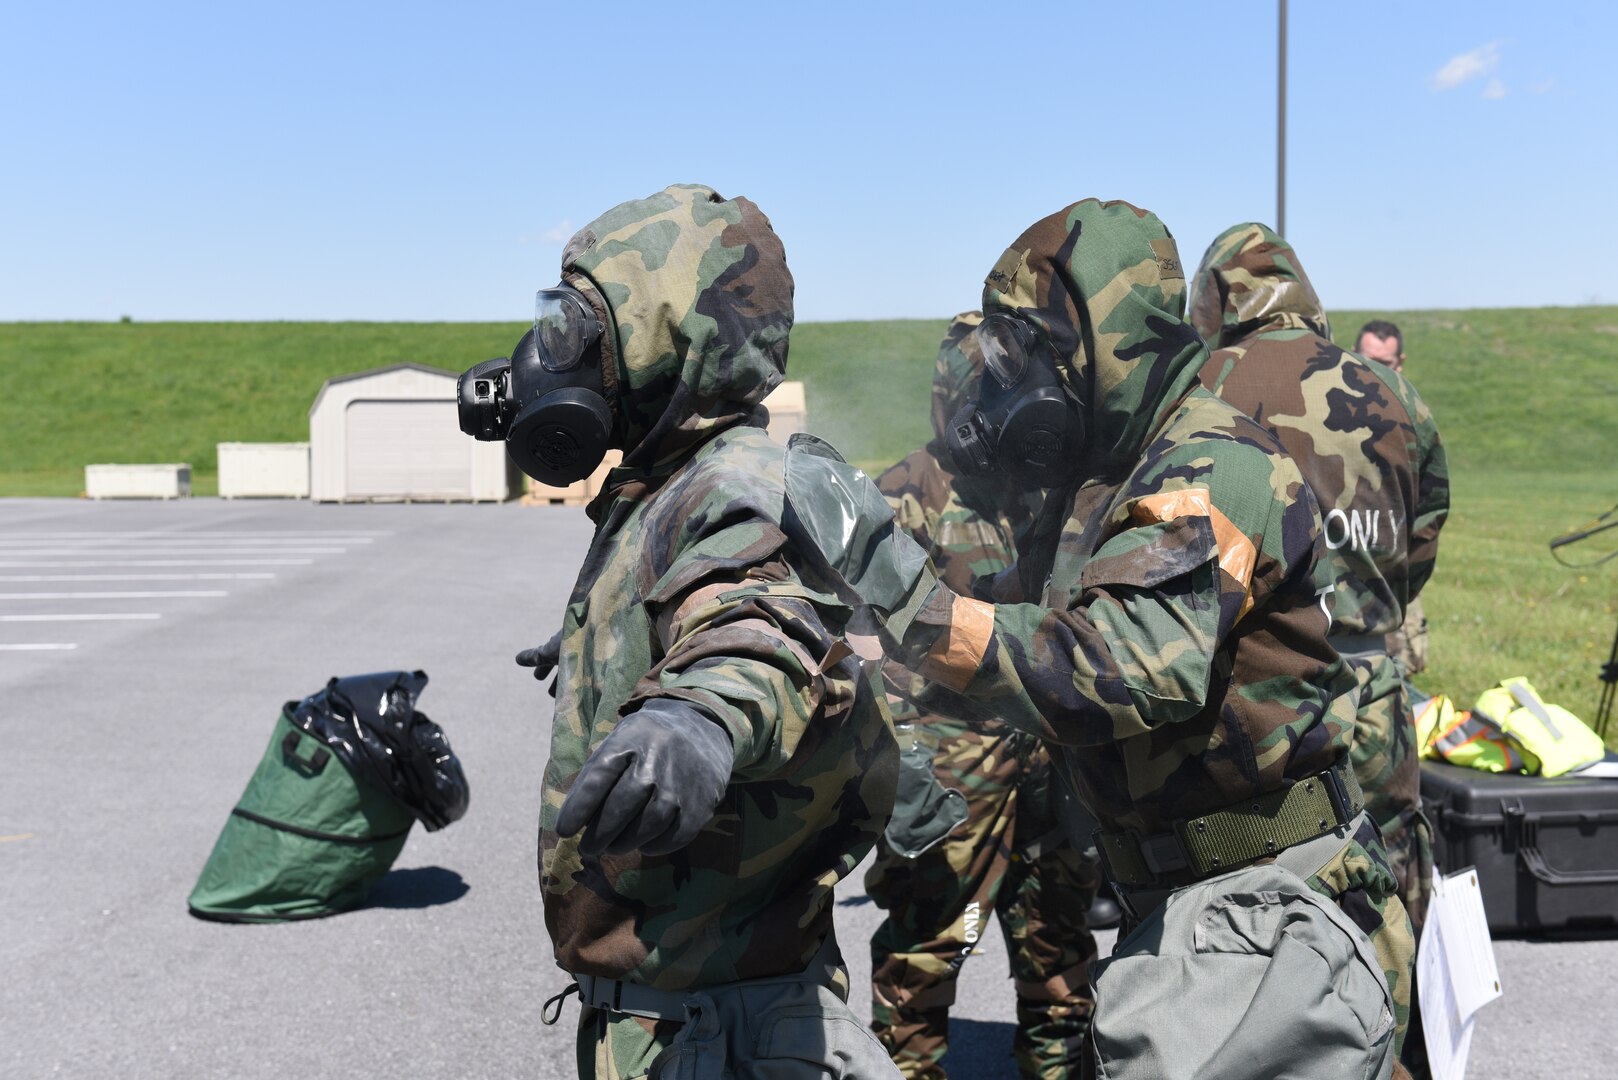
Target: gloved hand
[[542, 658], [652, 784]]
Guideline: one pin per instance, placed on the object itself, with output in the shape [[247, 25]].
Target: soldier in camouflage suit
[[1175, 653], [1369, 449], [1006, 852], [1381, 341], [693, 602]]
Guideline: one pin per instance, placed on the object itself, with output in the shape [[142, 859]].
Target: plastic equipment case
[[1546, 851]]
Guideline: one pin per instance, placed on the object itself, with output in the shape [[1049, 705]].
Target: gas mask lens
[[1006, 343], [565, 329]]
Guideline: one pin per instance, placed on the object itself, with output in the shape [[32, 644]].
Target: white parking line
[[56, 552], [78, 618], [110, 595], [90, 563], [249, 576], [28, 537], [38, 646]]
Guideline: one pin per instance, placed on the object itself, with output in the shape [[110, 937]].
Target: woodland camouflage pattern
[[1177, 655], [1007, 857], [1369, 449], [691, 590]]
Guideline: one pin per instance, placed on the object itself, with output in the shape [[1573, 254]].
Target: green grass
[[73, 394], [1498, 604], [1527, 401]]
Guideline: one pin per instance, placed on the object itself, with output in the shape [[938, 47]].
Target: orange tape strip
[[958, 653], [1237, 555]]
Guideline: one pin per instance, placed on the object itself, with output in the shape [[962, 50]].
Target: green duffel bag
[[348, 770]]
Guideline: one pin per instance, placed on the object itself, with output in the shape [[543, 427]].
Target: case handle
[[313, 763], [1544, 871]]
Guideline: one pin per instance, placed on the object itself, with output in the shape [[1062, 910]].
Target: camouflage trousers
[[1388, 767], [795, 1027], [1005, 857]]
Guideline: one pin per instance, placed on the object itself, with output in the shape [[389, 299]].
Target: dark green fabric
[[924, 810], [267, 867]]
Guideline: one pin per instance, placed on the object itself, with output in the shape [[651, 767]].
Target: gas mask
[[1025, 421], [548, 401]]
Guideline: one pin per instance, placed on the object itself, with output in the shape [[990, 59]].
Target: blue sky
[[426, 161]]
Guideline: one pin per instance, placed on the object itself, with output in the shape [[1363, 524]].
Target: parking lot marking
[[16, 836], [38, 646], [29, 537], [147, 595], [91, 563], [264, 575], [100, 617], [55, 552]]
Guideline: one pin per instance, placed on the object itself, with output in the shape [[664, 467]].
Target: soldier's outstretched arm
[[1135, 647], [744, 641]]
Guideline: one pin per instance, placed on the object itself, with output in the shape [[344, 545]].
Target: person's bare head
[[1381, 341]]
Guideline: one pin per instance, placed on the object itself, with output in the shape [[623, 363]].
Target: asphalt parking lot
[[145, 652]]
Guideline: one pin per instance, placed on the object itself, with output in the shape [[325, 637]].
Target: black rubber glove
[[542, 658], [652, 784]]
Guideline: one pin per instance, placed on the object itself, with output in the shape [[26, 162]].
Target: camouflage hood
[[955, 374], [1250, 280], [697, 299], [1103, 281]]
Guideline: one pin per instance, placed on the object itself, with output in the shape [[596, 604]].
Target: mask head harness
[[1025, 421], [548, 401]]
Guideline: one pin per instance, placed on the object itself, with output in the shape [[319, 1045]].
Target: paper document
[[1468, 949], [1455, 971], [1448, 1037]]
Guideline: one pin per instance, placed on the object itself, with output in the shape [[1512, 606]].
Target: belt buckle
[[591, 992], [1337, 792], [1163, 854]]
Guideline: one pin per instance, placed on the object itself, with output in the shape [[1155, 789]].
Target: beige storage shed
[[392, 435]]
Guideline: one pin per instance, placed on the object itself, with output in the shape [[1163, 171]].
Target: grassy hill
[[1527, 401]]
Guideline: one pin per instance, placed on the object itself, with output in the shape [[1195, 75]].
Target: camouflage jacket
[[1178, 652], [691, 590], [1359, 432]]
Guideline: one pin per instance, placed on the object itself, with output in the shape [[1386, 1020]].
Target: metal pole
[[1281, 128]]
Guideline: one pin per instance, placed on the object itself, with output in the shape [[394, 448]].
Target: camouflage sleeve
[[1432, 496], [747, 642], [911, 513], [1135, 648]]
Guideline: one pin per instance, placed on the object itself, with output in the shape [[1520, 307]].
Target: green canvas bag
[[347, 771], [307, 839]]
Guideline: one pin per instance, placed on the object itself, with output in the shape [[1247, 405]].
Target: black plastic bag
[[371, 723]]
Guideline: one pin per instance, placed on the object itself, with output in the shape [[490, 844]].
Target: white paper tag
[[1468, 949], [1455, 971]]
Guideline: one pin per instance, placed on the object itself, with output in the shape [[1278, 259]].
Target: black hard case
[[1546, 851]]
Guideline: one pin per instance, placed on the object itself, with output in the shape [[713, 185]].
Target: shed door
[[407, 449]]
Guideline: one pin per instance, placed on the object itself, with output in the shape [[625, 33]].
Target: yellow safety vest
[[1560, 741]]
